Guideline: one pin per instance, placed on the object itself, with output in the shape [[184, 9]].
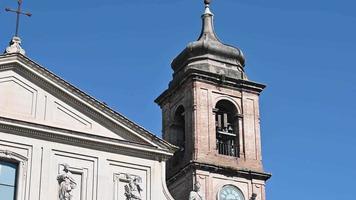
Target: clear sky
[[120, 51]]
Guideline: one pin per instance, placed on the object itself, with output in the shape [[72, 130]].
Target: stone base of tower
[[212, 179]]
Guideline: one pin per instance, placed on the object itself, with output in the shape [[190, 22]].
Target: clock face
[[229, 192]]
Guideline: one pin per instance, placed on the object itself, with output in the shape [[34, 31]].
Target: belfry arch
[[227, 128], [178, 128]]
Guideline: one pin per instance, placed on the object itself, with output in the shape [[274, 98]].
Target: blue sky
[[120, 52]]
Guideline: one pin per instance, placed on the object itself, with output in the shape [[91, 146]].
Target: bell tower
[[211, 112]]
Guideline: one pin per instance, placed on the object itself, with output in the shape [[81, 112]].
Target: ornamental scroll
[[66, 184]]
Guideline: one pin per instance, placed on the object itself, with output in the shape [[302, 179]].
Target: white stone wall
[[49, 126], [99, 175]]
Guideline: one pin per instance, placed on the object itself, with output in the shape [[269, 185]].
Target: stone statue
[[134, 188], [66, 184], [196, 193], [15, 46]]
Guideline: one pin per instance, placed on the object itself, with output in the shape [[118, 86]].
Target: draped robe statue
[[66, 184], [133, 189]]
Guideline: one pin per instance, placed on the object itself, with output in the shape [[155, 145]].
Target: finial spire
[[208, 25], [226, 60], [207, 7], [15, 44]]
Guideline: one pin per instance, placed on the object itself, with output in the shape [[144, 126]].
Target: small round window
[[230, 192]]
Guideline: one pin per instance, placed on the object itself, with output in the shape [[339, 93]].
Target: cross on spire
[[18, 14], [15, 43]]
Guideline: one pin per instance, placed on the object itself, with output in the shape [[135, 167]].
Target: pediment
[[29, 92], [24, 100]]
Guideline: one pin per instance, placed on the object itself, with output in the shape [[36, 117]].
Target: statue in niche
[[134, 188], [196, 194], [66, 184]]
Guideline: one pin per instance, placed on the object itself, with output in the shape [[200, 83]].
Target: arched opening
[[177, 135], [179, 128], [227, 128]]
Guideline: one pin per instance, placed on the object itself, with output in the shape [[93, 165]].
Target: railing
[[228, 150]]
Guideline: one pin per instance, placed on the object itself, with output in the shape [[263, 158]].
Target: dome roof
[[209, 46]]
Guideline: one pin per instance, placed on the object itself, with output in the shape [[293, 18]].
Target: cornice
[[228, 171], [85, 140], [242, 85]]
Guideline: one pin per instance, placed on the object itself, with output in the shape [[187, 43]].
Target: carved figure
[[254, 196], [134, 188], [66, 184], [196, 193]]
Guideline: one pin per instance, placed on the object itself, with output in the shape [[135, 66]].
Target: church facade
[[56, 142], [60, 143]]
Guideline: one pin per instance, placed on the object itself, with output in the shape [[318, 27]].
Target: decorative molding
[[60, 109], [247, 174], [32, 109], [81, 139], [230, 83], [12, 156], [15, 157]]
